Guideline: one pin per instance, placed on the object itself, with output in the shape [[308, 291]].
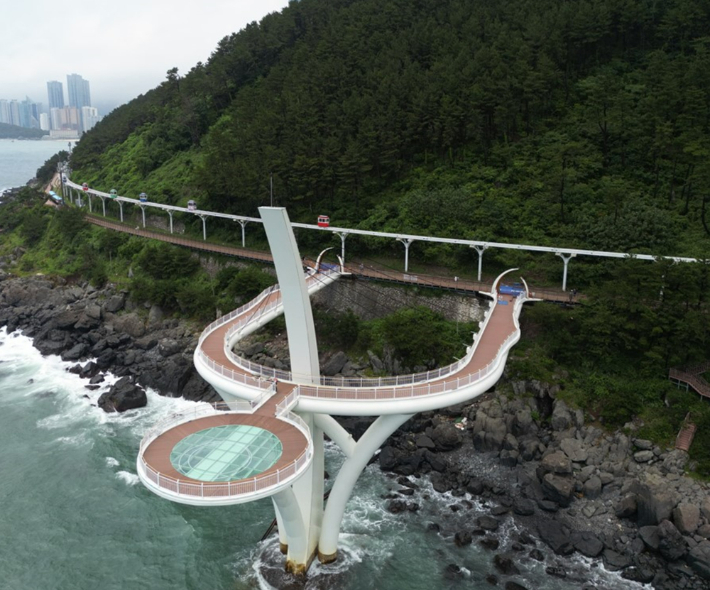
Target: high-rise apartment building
[[66, 118], [55, 92], [4, 111], [15, 113], [89, 118], [78, 91]]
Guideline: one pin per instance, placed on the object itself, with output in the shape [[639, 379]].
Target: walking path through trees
[[368, 271]]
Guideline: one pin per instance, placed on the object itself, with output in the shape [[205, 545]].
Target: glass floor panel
[[226, 453]]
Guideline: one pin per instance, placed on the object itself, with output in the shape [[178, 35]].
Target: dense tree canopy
[[554, 121]]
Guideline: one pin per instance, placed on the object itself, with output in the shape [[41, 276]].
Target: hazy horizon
[[123, 51]]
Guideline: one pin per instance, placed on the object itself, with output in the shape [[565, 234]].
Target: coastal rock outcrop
[[123, 395]]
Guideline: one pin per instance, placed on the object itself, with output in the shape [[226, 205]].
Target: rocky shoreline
[[579, 490], [574, 488]]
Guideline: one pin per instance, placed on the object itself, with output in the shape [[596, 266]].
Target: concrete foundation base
[[327, 558]]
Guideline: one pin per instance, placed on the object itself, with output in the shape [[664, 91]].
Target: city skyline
[[66, 121], [124, 50]]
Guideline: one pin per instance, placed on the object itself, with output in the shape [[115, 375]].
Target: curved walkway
[[237, 378]]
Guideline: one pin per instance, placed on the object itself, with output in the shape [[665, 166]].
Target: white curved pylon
[[378, 432]]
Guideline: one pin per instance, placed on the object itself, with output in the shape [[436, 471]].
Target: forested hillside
[[559, 122], [578, 123]]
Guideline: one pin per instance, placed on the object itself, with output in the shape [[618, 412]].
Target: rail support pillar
[[89, 197], [565, 259], [204, 226], [407, 242], [342, 235], [243, 223], [480, 250], [120, 208], [170, 214], [103, 205], [143, 210]]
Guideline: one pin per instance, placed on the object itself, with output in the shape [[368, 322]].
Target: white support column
[[336, 433], [143, 210], [204, 226], [243, 223], [170, 213], [103, 205], [378, 432], [342, 236], [407, 242], [120, 208], [294, 527], [480, 250], [88, 195], [565, 259], [302, 509], [281, 528]]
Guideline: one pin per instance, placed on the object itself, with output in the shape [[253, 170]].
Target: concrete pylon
[[299, 508]]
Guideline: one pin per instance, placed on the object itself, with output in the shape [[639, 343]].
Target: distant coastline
[[15, 132]]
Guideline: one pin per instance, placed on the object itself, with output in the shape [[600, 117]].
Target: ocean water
[[75, 517], [20, 159]]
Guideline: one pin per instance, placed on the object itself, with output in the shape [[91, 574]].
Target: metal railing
[[233, 375], [354, 382], [357, 393], [252, 485], [372, 388], [231, 315]]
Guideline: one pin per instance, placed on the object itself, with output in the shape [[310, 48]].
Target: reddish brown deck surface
[[500, 326], [685, 436], [157, 454]]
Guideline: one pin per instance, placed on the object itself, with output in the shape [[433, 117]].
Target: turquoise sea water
[[75, 517], [19, 159]]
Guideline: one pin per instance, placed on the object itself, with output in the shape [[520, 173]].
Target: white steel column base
[[297, 559], [378, 432]]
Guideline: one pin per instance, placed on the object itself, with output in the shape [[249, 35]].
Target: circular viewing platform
[[212, 457]]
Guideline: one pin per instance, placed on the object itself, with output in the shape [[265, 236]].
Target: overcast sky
[[123, 48]]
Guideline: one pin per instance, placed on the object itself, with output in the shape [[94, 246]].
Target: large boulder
[[123, 395], [574, 449], [490, 439], [686, 517], [592, 488], [653, 505], [561, 416], [155, 316], [556, 535], [76, 352], [557, 463], [587, 543], [699, 559], [558, 488], [672, 545], [93, 311], [626, 507], [523, 422], [114, 303], [168, 347], [446, 437], [335, 364], [129, 324]]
